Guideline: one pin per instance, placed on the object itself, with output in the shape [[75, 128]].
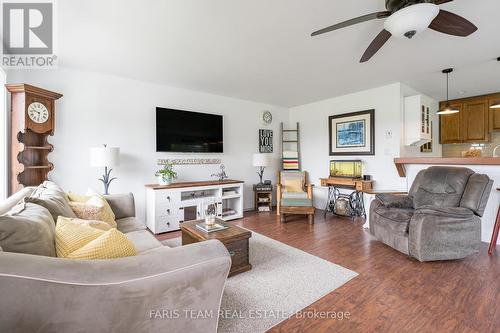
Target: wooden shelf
[[38, 148], [38, 167]]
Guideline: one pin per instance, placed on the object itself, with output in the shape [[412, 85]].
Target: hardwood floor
[[392, 293]]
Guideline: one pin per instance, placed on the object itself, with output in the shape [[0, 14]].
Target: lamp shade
[[104, 157], [260, 160]]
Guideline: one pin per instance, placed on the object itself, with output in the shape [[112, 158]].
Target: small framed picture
[[265, 141], [352, 133]]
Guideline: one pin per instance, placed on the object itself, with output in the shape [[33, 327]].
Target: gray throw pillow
[[52, 197], [28, 228]]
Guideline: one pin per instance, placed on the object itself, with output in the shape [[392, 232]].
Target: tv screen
[[188, 132]]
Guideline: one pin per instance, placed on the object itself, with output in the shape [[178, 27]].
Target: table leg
[[494, 236]]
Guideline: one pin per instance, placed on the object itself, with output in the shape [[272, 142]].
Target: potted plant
[[166, 175]]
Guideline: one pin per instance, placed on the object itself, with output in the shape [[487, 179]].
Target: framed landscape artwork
[[352, 133]]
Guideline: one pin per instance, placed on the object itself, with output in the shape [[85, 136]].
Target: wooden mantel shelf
[[400, 162]]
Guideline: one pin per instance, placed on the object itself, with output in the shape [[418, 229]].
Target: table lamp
[[105, 157], [261, 161]]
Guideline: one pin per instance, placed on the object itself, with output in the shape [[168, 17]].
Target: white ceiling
[[261, 50]]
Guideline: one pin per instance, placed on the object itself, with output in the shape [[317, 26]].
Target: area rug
[[283, 281]]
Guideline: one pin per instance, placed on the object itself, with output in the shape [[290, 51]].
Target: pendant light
[[447, 108], [496, 105]]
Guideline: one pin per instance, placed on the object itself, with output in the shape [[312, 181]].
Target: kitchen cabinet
[[451, 125], [474, 122]]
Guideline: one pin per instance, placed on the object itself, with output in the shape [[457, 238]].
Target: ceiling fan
[[406, 18]]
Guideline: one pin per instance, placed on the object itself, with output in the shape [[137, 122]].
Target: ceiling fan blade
[[440, 2], [353, 21], [376, 45], [452, 24]]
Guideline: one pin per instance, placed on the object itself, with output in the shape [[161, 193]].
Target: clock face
[[267, 117], [38, 112]]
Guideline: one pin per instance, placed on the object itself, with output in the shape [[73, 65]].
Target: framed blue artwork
[[352, 133]]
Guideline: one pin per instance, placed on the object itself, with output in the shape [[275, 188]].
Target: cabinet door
[[494, 116], [475, 119], [450, 125]]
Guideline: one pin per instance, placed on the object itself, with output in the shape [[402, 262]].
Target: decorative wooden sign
[[188, 161], [265, 141]]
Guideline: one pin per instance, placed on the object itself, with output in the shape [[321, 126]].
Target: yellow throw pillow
[[95, 208], [293, 185], [72, 236], [101, 225], [80, 241]]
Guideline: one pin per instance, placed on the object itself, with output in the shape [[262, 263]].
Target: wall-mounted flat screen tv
[[188, 132]]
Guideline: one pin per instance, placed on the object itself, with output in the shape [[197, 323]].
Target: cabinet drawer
[[167, 224], [167, 197], [166, 211]]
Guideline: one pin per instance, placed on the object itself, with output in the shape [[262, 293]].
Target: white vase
[[162, 181]]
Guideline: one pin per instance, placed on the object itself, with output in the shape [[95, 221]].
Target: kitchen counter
[[400, 162]]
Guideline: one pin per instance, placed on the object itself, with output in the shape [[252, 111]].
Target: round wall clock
[[38, 112], [266, 117]]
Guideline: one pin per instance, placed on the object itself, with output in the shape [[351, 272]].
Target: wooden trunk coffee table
[[234, 238]]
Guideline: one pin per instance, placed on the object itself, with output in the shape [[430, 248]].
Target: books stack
[[211, 228], [290, 160], [228, 212]]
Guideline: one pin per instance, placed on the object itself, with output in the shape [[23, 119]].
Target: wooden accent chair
[[294, 195]]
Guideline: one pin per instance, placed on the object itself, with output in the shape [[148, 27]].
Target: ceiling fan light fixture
[[411, 20]]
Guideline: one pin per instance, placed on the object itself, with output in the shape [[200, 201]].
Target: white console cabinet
[[167, 206]]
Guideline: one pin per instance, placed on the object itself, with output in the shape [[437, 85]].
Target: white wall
[[314, 136], [4, 114], [97, 109]]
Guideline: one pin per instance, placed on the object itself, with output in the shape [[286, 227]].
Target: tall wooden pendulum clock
[[32, 121]]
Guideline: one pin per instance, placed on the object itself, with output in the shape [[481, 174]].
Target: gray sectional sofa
[[439, 219], [158, 290]]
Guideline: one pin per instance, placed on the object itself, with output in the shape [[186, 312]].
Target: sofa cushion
[[91, 223], [129, 224], [28, 228], [395, 220], [52, 197], [123, 205], [143, 240], [95, 208], [14, 199], [79, 241], [442, 186]]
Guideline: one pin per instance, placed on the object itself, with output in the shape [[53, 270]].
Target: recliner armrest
[[395, 201]]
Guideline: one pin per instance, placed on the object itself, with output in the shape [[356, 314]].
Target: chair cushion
[[129, 224], [293, 185], [294, 195], [143, 240], [52, 197], [28, 228], [442, 187], [296, 202], [395, 220]]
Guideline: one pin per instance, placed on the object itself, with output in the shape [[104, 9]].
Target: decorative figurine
[[220, 175]]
